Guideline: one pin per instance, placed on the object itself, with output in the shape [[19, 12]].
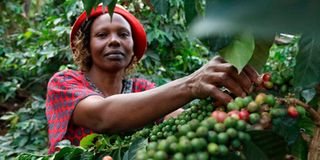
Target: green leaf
[[239, 52], [190, 10], [307, 68], [27, 156], [265, 144], [106, 2], [87, 141], [286, 127], [135, 146], [263, 17], [253, 152], [62, 153], [309, 94], [23, 141], [161, 6], [153, 56], [307, 125], [75, 154], [8, 116], [216, 42], [27, 34], [261, 52], [63, 143], [111, 7], [300, 149], [90, 4], [116, 154], [87, 156], [70, 153]]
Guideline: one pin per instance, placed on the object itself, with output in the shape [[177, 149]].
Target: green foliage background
[[36, 46]]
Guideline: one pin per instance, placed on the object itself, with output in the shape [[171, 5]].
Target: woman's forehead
[[105, 19]]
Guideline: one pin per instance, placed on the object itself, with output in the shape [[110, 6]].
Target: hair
[[81, 54], [81, 51]]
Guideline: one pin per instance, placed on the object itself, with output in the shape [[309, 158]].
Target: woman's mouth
[[114, 55]]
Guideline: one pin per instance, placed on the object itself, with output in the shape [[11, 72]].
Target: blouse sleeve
[[140, 85], [65, 90]]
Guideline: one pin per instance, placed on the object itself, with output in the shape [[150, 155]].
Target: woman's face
[[111, 43]]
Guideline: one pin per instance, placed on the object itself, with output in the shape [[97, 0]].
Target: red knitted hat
[[138, 33]]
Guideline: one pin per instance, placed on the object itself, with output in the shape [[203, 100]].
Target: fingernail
[[259, 80], [251, 88]]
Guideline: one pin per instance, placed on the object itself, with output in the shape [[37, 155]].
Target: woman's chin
[[115, 67]]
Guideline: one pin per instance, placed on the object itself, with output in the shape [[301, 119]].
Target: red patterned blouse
[[65, 90]]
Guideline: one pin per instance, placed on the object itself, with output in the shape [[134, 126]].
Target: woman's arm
[[124, 112]]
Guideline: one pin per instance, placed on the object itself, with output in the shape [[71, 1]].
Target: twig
[[314, 114]]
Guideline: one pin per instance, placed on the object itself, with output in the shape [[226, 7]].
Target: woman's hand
[[217, 73]]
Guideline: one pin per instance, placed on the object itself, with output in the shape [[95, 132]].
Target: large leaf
[[111, 6], [161, 6], [90, 4], [239, 52], [300, 149], [190, 10], [87, 156], [116, 154], [307, 68], [307, 125], [261, 52], [76, 153], [309, 94], [286, 127], [263, 17], [69, 153], [135, 146], [216, 42], [253, 152], [265, 145], [27, 156], [87, 141]]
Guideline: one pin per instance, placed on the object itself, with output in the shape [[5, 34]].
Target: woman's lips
[[114, 55]]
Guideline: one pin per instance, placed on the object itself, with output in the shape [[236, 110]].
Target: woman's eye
[[101, 35], [124, 34]]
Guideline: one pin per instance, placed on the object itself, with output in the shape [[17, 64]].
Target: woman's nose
[[114, 41]]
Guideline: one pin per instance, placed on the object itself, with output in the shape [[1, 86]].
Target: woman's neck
[[109, 83]]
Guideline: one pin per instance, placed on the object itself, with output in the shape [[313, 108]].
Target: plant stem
[[314, 114]]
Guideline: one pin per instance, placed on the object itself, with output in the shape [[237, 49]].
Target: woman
[[99, 99]]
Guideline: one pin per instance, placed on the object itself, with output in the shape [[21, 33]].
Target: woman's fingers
[[242, 79], [219, 95], [246, 77], [218, 73], [224, 79], [245, 82], [252, 74]]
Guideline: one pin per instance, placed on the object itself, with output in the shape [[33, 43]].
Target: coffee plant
[[204, 131]]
